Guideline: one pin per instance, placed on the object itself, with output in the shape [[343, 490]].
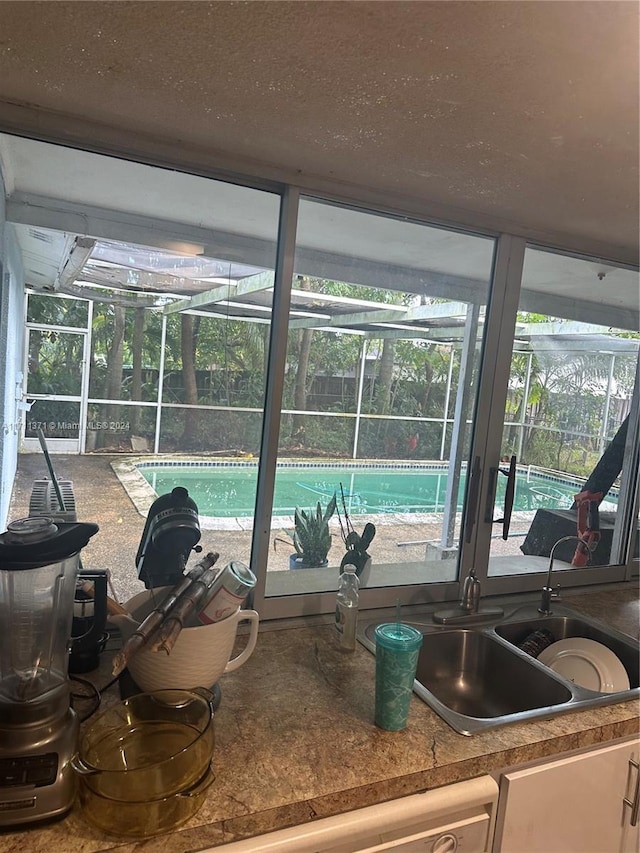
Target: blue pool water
[[228, 491]]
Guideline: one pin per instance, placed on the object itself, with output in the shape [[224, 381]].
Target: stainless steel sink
[[476, 678], [475, 675], [563, 627]]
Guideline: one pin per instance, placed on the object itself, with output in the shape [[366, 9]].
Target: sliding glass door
[[385, 330], [566, 463], [55, 372]]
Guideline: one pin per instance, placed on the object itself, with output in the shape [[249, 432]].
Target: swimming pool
[[227, 490]]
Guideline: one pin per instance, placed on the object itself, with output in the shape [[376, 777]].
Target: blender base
[[37, 783]]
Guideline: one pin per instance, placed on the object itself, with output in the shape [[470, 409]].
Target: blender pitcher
[[39, 563]]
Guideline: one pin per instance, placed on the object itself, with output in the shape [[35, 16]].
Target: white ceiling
[[504, 115]]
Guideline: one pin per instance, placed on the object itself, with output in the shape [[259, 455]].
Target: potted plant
[[357, 554], [356, 545], [311, 536]]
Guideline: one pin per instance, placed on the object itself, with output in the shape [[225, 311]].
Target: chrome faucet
[[468, 609], [548, 593], [470, 600]]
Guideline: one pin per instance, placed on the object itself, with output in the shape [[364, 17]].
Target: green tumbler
[[397, 650]]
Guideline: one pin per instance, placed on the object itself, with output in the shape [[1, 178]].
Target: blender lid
[[36, 541]]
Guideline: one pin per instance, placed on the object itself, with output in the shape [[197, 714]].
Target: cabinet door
[[572, 805]]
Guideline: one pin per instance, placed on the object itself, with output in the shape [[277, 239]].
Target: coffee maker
[[39, 562], [88, 635], [170, 533]]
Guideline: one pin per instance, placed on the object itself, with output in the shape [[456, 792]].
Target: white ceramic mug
[[200, 656]]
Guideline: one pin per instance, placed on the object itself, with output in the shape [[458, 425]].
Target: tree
[[113, 380], [189, 341], [304, 339], [385, 376], [136, 358]]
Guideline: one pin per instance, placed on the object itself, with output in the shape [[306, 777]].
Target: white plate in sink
[[587, 663]]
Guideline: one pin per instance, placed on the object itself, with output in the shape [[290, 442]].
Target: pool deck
[[101, 496]]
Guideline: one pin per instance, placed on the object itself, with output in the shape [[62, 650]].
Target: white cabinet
[[584, 802]]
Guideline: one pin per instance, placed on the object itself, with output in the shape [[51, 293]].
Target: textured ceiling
[[521, 114]]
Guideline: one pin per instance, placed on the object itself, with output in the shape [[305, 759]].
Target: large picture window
[[312, 371]]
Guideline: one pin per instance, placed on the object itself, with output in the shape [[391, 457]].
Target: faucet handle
[[555, 593]]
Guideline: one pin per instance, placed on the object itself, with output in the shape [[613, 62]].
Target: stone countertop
[[295, 740]]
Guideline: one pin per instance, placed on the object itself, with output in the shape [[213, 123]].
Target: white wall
[[11, 343]]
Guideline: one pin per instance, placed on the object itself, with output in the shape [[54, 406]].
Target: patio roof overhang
[[124, 274], [120, 231]]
